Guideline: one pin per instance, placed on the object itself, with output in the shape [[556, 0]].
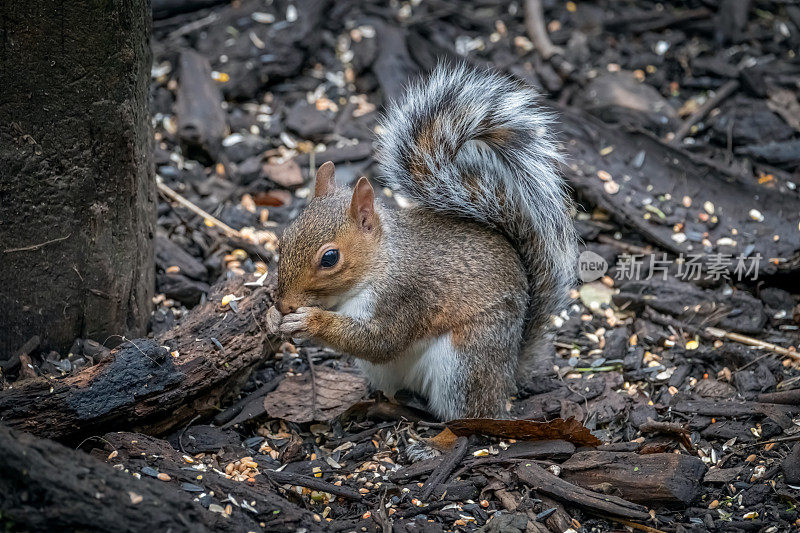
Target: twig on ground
[[169, 193], [624, 246], [666, 320], [750, 341], [445, 467], [544, 481], [669, 428], [635, 525], [787, 397], [790, 438], [311, 483], [721, 94], [183, 432]]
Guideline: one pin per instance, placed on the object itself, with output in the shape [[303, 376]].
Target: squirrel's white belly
[[429, 367]]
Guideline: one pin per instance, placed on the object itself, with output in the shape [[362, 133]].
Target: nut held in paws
[[274, 318]]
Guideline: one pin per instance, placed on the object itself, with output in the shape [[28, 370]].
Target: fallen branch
[[668, 428], [636, 525], [151, 385], [655, 20], [545, 482], [782, 414], [788, 397], [655, 479]]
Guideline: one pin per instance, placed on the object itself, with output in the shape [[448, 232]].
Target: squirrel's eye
[[329, 259]]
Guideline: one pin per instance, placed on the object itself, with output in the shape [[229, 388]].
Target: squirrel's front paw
[[298, 324]]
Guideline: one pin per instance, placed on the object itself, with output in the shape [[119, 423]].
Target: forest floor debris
[[672, 401]]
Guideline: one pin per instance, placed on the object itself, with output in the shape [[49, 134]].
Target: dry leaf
[[335, 393], [443, 441], [273, 198], [569, 430]]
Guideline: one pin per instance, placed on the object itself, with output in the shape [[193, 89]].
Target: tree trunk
[[77, 195]]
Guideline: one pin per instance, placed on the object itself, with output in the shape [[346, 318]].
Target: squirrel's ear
[[362, 206], [325, 182]]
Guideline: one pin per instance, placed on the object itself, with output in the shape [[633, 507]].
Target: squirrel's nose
[[286, 308]]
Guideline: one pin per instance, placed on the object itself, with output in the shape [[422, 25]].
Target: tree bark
[[77, 195]]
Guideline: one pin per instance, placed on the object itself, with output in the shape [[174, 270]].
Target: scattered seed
[[149, 471], [263, 18], [163, 477], [222, 77]]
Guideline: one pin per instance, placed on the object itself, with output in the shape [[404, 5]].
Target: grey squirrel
[[451, 297]]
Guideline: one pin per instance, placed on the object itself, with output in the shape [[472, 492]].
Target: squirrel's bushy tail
[[475, 144]]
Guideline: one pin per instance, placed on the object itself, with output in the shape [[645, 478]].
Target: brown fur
[[305, 284], [431, 274]]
